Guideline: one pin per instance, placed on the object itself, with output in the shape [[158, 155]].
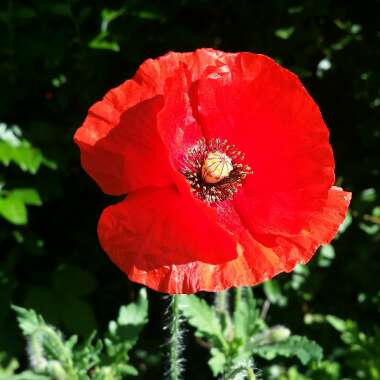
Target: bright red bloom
[[200, 215]]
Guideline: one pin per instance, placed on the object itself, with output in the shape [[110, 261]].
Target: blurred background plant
[[56, 58]]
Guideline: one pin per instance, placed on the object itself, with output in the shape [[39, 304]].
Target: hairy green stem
[[57, 348], [175, 346], [238, 295], [221, 302]]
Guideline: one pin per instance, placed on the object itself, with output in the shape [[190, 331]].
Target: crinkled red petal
[[134, 140], [107, 162], [265, 111], [160, 228], [256, 261]]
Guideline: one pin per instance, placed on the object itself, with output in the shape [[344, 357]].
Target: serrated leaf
[[124, 332], [217, 361], [135, 313], [305, 349], [45, 340], [24, 155], [28, 320], [202, 317], [88, 354]]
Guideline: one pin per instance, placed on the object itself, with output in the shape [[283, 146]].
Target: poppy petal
[[161, 227], [266, 112], [110, 170], [132, 155], [256, 261], [135, 141]]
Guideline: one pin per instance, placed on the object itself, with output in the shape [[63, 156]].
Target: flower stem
[[175, 344], [238, 295], [250, 374]]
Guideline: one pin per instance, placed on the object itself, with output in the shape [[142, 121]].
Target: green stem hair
[[176, 368]]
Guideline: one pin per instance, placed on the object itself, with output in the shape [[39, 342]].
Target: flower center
[[216, 167], [215, 170]]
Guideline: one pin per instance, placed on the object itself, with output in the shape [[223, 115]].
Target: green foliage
[[13, 204], [361, 351], [246, 315], [123, 333], [14, 148], [299, 346], [232, 346], [64, 300], [203, 317], [53, 357]]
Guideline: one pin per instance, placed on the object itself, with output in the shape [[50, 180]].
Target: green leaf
[[13, 210], [368, 195], [12, 204], [124, 332], [273, 292], [376, 211], [202, 317], [147, 15], [135, 313], [28, 320], [100, 42], [338, 323], [284, 33], [26, 375], [28, 196], [326, 255], [130, 370], [24, 155], [245, 315], [7, 367], [109, 15], [369, 229], [217, 361], [14, 148], [305, 349]]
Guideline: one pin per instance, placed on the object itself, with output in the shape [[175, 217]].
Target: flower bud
[[56, 370], [279, 334]]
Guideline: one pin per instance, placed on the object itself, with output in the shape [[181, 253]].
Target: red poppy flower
[[228, 169]]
